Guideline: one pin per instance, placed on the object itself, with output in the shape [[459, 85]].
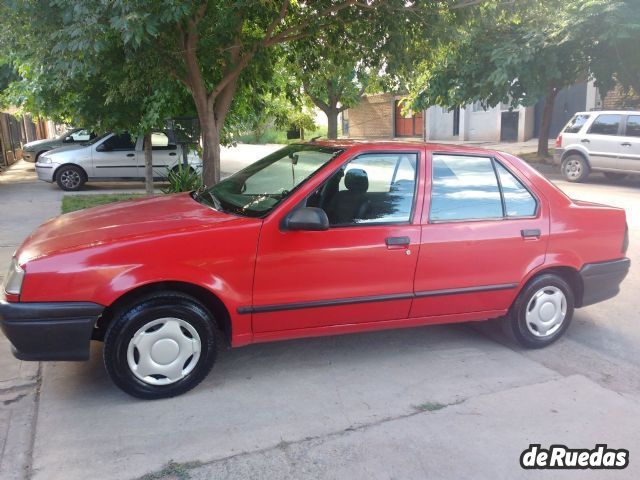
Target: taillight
[[559, 141], [625, 242]]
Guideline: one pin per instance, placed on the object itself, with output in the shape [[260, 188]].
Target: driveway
[[452, 401]]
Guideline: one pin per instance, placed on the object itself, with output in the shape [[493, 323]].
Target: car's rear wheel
[[575, 168], [70, 178], [162, 346], [615, 176], [542, 312]]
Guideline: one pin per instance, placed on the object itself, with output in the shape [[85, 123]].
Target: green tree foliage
[[517, 53], [610, 32]]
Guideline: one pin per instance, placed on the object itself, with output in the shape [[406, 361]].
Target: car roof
[[395, 144], [615, 112]]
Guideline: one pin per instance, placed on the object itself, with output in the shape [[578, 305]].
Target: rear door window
[[633, 126], [464, 188], [576, 123], [606, 124]]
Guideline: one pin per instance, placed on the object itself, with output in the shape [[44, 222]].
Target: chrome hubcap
[[70, 178], [546, 311], [573, 168], [164, 351]]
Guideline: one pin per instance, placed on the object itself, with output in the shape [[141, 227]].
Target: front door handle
[[626, 144], [397, 241], [131, 154], [585, 140], [172, 154], [531, 232]]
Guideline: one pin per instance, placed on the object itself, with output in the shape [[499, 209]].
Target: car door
[[630, 145], [115, 157], [603, 141], [361, 269], [165, 154], [484, 229]]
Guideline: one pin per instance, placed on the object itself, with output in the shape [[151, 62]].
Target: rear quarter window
[[576, 123]]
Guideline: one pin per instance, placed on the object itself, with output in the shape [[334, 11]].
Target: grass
[[71, 203], [173, 471], [273, 135], [533, 157], [430, 406]]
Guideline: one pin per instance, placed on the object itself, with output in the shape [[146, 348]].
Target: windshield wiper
[[216, 203]]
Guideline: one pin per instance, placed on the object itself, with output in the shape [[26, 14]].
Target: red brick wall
[[372, 117], [618, 99]]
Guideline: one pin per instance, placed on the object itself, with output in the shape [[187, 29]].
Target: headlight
[[13, 282], [43, 159]]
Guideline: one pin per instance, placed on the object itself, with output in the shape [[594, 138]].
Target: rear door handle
[[626, 144], [397, 241], [585, 140], [172, 154], [131, 154], [531, 232]]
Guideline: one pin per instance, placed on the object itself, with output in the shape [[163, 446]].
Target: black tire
[[575, 168], [616, 177], [70, 178], [515, 323], [161, 305]]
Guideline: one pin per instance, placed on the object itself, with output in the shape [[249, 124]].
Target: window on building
[[606, 124]]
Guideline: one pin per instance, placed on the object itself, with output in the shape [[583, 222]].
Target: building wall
[[371, 118], [483, 124], [618, 99]]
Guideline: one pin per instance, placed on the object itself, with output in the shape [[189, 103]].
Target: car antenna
[[315, 138]]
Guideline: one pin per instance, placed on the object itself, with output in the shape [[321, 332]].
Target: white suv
[[606, 141], [110, 157]]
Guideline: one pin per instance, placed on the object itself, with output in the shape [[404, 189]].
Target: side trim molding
[[376, 298]]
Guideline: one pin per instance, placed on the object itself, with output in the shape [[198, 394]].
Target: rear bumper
[[49, 331], [601, 281], [557, 156]]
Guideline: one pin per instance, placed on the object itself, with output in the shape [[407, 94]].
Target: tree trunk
[[148, 164], [210, 149], [545, 125], [332, 123]]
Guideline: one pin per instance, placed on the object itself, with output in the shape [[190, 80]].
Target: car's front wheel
[[70, 178], [542, 312], [162, 346], [575, 168]]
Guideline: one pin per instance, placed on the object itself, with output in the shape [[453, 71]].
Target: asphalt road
[[454, 401]]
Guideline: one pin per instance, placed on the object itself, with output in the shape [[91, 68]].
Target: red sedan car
[[316, 239]]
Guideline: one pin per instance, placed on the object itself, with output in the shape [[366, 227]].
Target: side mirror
[[306, 218], [68, 139], [102, 148]]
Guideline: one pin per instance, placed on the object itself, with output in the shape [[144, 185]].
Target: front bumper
[[49, 331], [29, 156], [45, 171], [601, 281]]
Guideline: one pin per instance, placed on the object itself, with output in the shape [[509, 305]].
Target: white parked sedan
[[110, 157]]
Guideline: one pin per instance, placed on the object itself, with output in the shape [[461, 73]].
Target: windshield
[[257, 189]]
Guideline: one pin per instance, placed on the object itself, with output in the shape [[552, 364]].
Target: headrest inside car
[[356, 180]]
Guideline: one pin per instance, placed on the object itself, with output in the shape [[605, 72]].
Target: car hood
[[118, 221], [39, 143], [65, 148]]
